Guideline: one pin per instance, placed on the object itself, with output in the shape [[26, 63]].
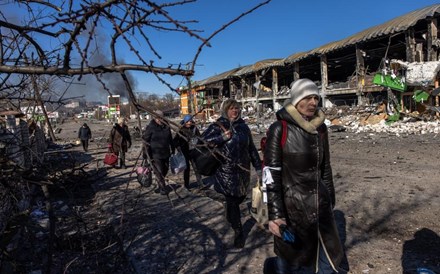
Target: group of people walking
[[297, 175]]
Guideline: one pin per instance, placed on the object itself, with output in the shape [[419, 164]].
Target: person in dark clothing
[[185, 139], [85, 134], [158, 144], [232, 178], [300, 191], [120, 140]]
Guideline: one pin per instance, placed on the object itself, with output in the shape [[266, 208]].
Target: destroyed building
[[369, 67]]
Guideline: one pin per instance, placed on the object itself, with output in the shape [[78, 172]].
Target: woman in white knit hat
[[300, 190]]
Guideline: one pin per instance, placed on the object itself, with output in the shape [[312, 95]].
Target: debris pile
[[368, 119]]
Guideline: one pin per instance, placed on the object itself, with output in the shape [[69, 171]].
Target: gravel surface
[[387, 210]]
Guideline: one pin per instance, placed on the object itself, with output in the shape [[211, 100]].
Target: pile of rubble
[[374, 119], [368, 119]]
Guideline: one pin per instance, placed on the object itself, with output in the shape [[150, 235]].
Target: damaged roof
[[268, 63], [395, 25], [216, 78]]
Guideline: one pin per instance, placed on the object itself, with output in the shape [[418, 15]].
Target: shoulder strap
[[221, 126], [284, 133]]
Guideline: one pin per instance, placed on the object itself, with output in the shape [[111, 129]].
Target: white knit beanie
[[302, 88]]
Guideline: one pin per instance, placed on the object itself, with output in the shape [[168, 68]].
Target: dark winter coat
[[302, 191], [184, 137], [120, 138], [158, 141], [233, 176], [84, 133]]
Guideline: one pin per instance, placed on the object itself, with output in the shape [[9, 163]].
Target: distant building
[[368, 67], [172, 113], [73, 104]]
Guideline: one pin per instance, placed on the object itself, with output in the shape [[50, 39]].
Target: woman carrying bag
[[232, 178]]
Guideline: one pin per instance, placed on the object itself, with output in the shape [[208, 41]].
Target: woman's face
[[308, 105], [233, 112]]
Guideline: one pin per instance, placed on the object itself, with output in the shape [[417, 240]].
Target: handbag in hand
[[206, 158], [144, 174], [110, 158], [259, 207]]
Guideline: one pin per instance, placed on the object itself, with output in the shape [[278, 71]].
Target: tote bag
[[259, 207], [110, 159]]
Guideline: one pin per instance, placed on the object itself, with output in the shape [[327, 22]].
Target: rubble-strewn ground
[[387, 208]]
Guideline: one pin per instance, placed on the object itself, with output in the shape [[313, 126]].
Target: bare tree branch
[[65, 43]]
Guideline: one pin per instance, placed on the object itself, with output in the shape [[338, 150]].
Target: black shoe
[[157, 190], [239, 239], [163, 192]]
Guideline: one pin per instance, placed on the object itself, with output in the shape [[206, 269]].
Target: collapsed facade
[[366, 68]]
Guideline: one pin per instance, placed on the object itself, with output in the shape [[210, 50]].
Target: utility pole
[[190, 96]]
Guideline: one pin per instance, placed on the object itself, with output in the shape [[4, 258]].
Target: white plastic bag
[[177, 163]]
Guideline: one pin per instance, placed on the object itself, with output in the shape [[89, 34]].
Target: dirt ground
[[387, 208]]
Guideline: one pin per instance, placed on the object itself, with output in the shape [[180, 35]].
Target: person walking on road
[[232, 178], [300, 192], [158, 146], [120, 140], [85, 134], [184, 140]]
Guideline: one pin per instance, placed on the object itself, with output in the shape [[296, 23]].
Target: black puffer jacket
[[233, 176], [302, 191], [158, 141]]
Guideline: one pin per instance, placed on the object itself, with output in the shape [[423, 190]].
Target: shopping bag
[[177, 163], [144, 175], [259, 207], [110, 159]]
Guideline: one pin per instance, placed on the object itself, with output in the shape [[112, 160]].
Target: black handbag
[[206, 158]]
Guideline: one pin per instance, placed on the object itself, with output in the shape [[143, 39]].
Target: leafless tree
[[64, 38]]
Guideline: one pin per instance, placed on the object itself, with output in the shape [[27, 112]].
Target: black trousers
[[233, 214], [186, 172], [160, 169], [85, 144], [122, 157]]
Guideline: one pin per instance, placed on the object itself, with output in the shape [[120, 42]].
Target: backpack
[[282, 142]]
